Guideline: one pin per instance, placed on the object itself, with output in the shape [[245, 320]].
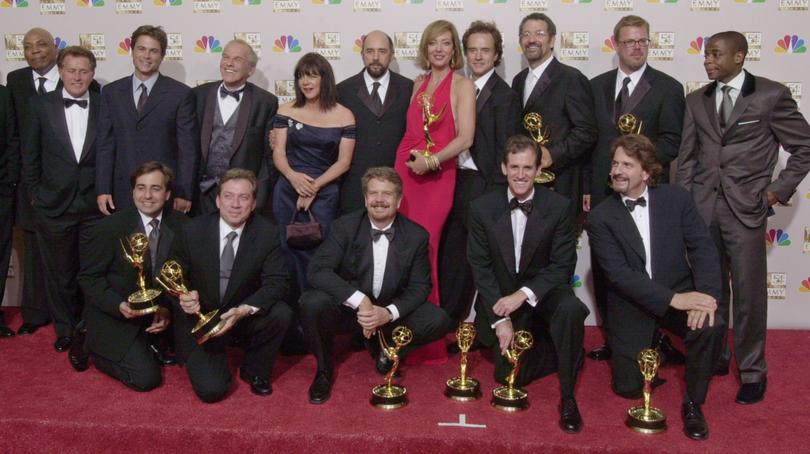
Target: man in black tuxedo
[[41, 76], [8, 179], [522, 250], [370, 275], [59, 172], [146, 117], [662, 269], [233, 262], [119, 341], [379, 100], [497, 111], [236, 118], [656, 100], [562, 95]]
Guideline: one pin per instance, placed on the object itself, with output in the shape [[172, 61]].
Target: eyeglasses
[[536, 34], [631, 43]]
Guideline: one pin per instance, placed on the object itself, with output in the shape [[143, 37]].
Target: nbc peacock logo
[[358, 44], [168, 2], [790, 44], [697, 45], [90, 3], [207, 45], [286, 44], [14, 3], [609, 45], [576, 281], [59, 43], [777, 237], [124, 47], [805, 288]]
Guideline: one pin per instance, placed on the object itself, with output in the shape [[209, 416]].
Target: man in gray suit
[[732, 132]]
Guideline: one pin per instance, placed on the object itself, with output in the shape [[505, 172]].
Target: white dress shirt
[[51, 79], [635, 76], [531, 79], [145, 220], [465, 159], [224, 230], [380, 253], [384, 80], [228, 104], [136, 87], [641, 217], [736, 85], [76, 118]]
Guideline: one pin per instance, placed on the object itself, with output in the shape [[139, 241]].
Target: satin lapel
[[610, 94], [711, 107], [542, 84], [243, 113], [155, 97], [644, 85], [165, 241], [503, 229], [390, 96], [57, 120], [485, 93], [365, 254], [241, 261], [532, 234], [658, 219], [627, 228], [365, 97], [743, 100], [92, 119], [208, 122], [393, 263], [210, 273]]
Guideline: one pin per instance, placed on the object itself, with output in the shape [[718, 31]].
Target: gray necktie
[[375, 98], [154, 238], [226, 265], [142, 98], [41, 87], [622, 99], [726, 106]]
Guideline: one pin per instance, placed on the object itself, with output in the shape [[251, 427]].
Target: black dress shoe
[[751, 393], [28, 328], [163, 357], [5, 331], [77, 355], [639, 393], [321, 388], [63, 343], [669, 354], [694, 423], [601, 353], [570, 419], [259, 386]]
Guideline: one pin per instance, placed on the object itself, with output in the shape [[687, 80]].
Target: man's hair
[[518, 144], [552, 29], [736, 41], [630, 21], [154, 32], [383, 174], [641, 149], [390, 41], [153, 166], [486, 27], [238, 174], [253, 59], [313, 64], [77, 52], [432, 31]]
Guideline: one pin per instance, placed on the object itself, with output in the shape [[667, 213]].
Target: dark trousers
[[6, 237], [137, 369], [34, 306], [743, 260], [59, 240], [703, 348], [206, 203], [323, 318], [457, 289], [557, 324], [261, 333]]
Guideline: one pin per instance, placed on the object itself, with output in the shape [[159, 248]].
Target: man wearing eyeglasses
[[562, 95], [656, 101]]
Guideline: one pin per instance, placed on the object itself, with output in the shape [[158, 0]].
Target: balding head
[[39, 49], [378, 51]]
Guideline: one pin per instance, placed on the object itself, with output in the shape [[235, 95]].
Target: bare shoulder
[[286, 108], [345, 116], [463, 84]]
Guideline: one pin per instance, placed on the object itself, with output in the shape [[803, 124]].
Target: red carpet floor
[[47, 407]]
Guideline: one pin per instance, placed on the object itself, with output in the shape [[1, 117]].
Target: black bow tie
[[224, 93], [79, 102], [525, 206], [631, 204], [377, 233]]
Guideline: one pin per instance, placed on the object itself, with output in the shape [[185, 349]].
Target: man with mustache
[[662, 269], [732, 132], [378, 98], [370, 275]]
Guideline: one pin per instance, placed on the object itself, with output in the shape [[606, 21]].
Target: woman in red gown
[[428, 182]]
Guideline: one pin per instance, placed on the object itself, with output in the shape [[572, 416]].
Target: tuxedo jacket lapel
[[610, 94], [58, 120], [643, 86], [542, 84], [627, 228], [485, 93], [390, 96], [208, 122], [243, 117], [242, 259], [711, 107], [743, 100], [532, 233], [365, 255], [503, 229], [92, 119], [154, 98], [365, 96], [658, 219], [393, 263]]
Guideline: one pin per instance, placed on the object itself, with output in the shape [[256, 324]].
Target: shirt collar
[[645, 194], [52, 75], [635, 76], [735, 83], [225, 229], [66, 95], [373, 227], [382, 80], [511, 196], [481, 81], [538, 72], [150, 82], [145, 220], [241, 87]]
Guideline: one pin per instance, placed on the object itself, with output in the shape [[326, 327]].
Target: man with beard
[[378, 98]]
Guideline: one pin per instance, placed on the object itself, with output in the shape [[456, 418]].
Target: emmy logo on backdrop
[[141, 302], [511, 398], [389, 396]]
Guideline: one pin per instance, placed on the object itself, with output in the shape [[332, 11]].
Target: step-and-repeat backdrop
[[283, 30]]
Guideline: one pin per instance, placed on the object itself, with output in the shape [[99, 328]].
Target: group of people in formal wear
[[425, 202]]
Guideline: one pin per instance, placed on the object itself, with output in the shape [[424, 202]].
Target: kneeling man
[[522, 250], [232, 260], [372, 274], [662, 270]]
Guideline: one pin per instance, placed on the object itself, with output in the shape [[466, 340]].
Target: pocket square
[[741, 123]]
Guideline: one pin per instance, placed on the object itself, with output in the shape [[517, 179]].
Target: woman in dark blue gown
[[313, 147]]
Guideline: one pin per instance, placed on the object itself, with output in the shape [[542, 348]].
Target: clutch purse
[[304, 235]]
